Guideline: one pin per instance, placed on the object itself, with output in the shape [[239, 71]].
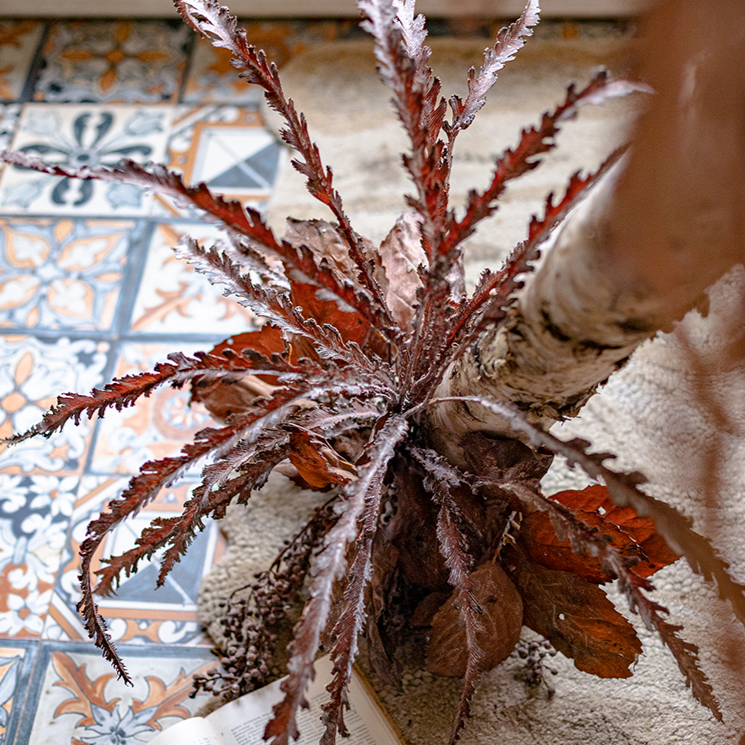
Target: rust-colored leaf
[[318, 464], [267, 340], [351, 325], [632, 535], [500, 623], [576, 616]]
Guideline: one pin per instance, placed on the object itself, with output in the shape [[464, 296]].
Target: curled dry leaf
[[401, 255], [318, 464], [500, 622]]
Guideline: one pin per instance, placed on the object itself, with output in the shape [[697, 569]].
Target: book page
[[242, 722], [194, 731]]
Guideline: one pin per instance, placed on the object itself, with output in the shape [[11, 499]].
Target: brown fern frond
[[216, 23], [534, 142], [206, 501], [509, 41], [440, 478], [124, 392], [492, 296], [329, 567]]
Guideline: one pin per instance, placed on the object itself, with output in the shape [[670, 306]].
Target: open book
[[242, 722]]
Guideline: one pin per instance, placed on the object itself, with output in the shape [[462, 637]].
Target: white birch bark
[[642, 248]]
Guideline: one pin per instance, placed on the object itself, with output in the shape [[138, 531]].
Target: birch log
[[642, 248]]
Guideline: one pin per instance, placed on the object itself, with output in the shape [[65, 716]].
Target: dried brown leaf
[[500, 623], [576, 616]]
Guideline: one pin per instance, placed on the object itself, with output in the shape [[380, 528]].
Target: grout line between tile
[[33, 71]]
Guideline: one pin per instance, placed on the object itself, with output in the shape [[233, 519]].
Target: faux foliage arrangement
[[334, 390]]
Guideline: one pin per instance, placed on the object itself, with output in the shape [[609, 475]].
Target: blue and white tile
[[113, 62], [34, 516], [139, 613], [62, 273], [228, 148], [33, 372], [75, 696], [77, 136], [9, 114], [173, 298]]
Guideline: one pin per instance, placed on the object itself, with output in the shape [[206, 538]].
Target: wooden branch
[[640, 251]]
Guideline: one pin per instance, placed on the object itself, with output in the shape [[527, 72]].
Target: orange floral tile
[[76, 698], [113, 62], [61, 273], [33, 372], [34, 516], [175, 299], [19, 41], [139, 613]]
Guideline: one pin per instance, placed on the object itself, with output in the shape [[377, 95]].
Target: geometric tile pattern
[[172, 296], [113, 62], [228, 148]]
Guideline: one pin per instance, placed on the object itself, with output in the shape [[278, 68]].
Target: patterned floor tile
[[157, 426], [113, 62], [61, 274], [174, 299], [76, 698], [16, 660], [78, 136], [226, 147], [19, 41], [9, 114], [213, 79], [33, 373], [139, 613], [34, 515]]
